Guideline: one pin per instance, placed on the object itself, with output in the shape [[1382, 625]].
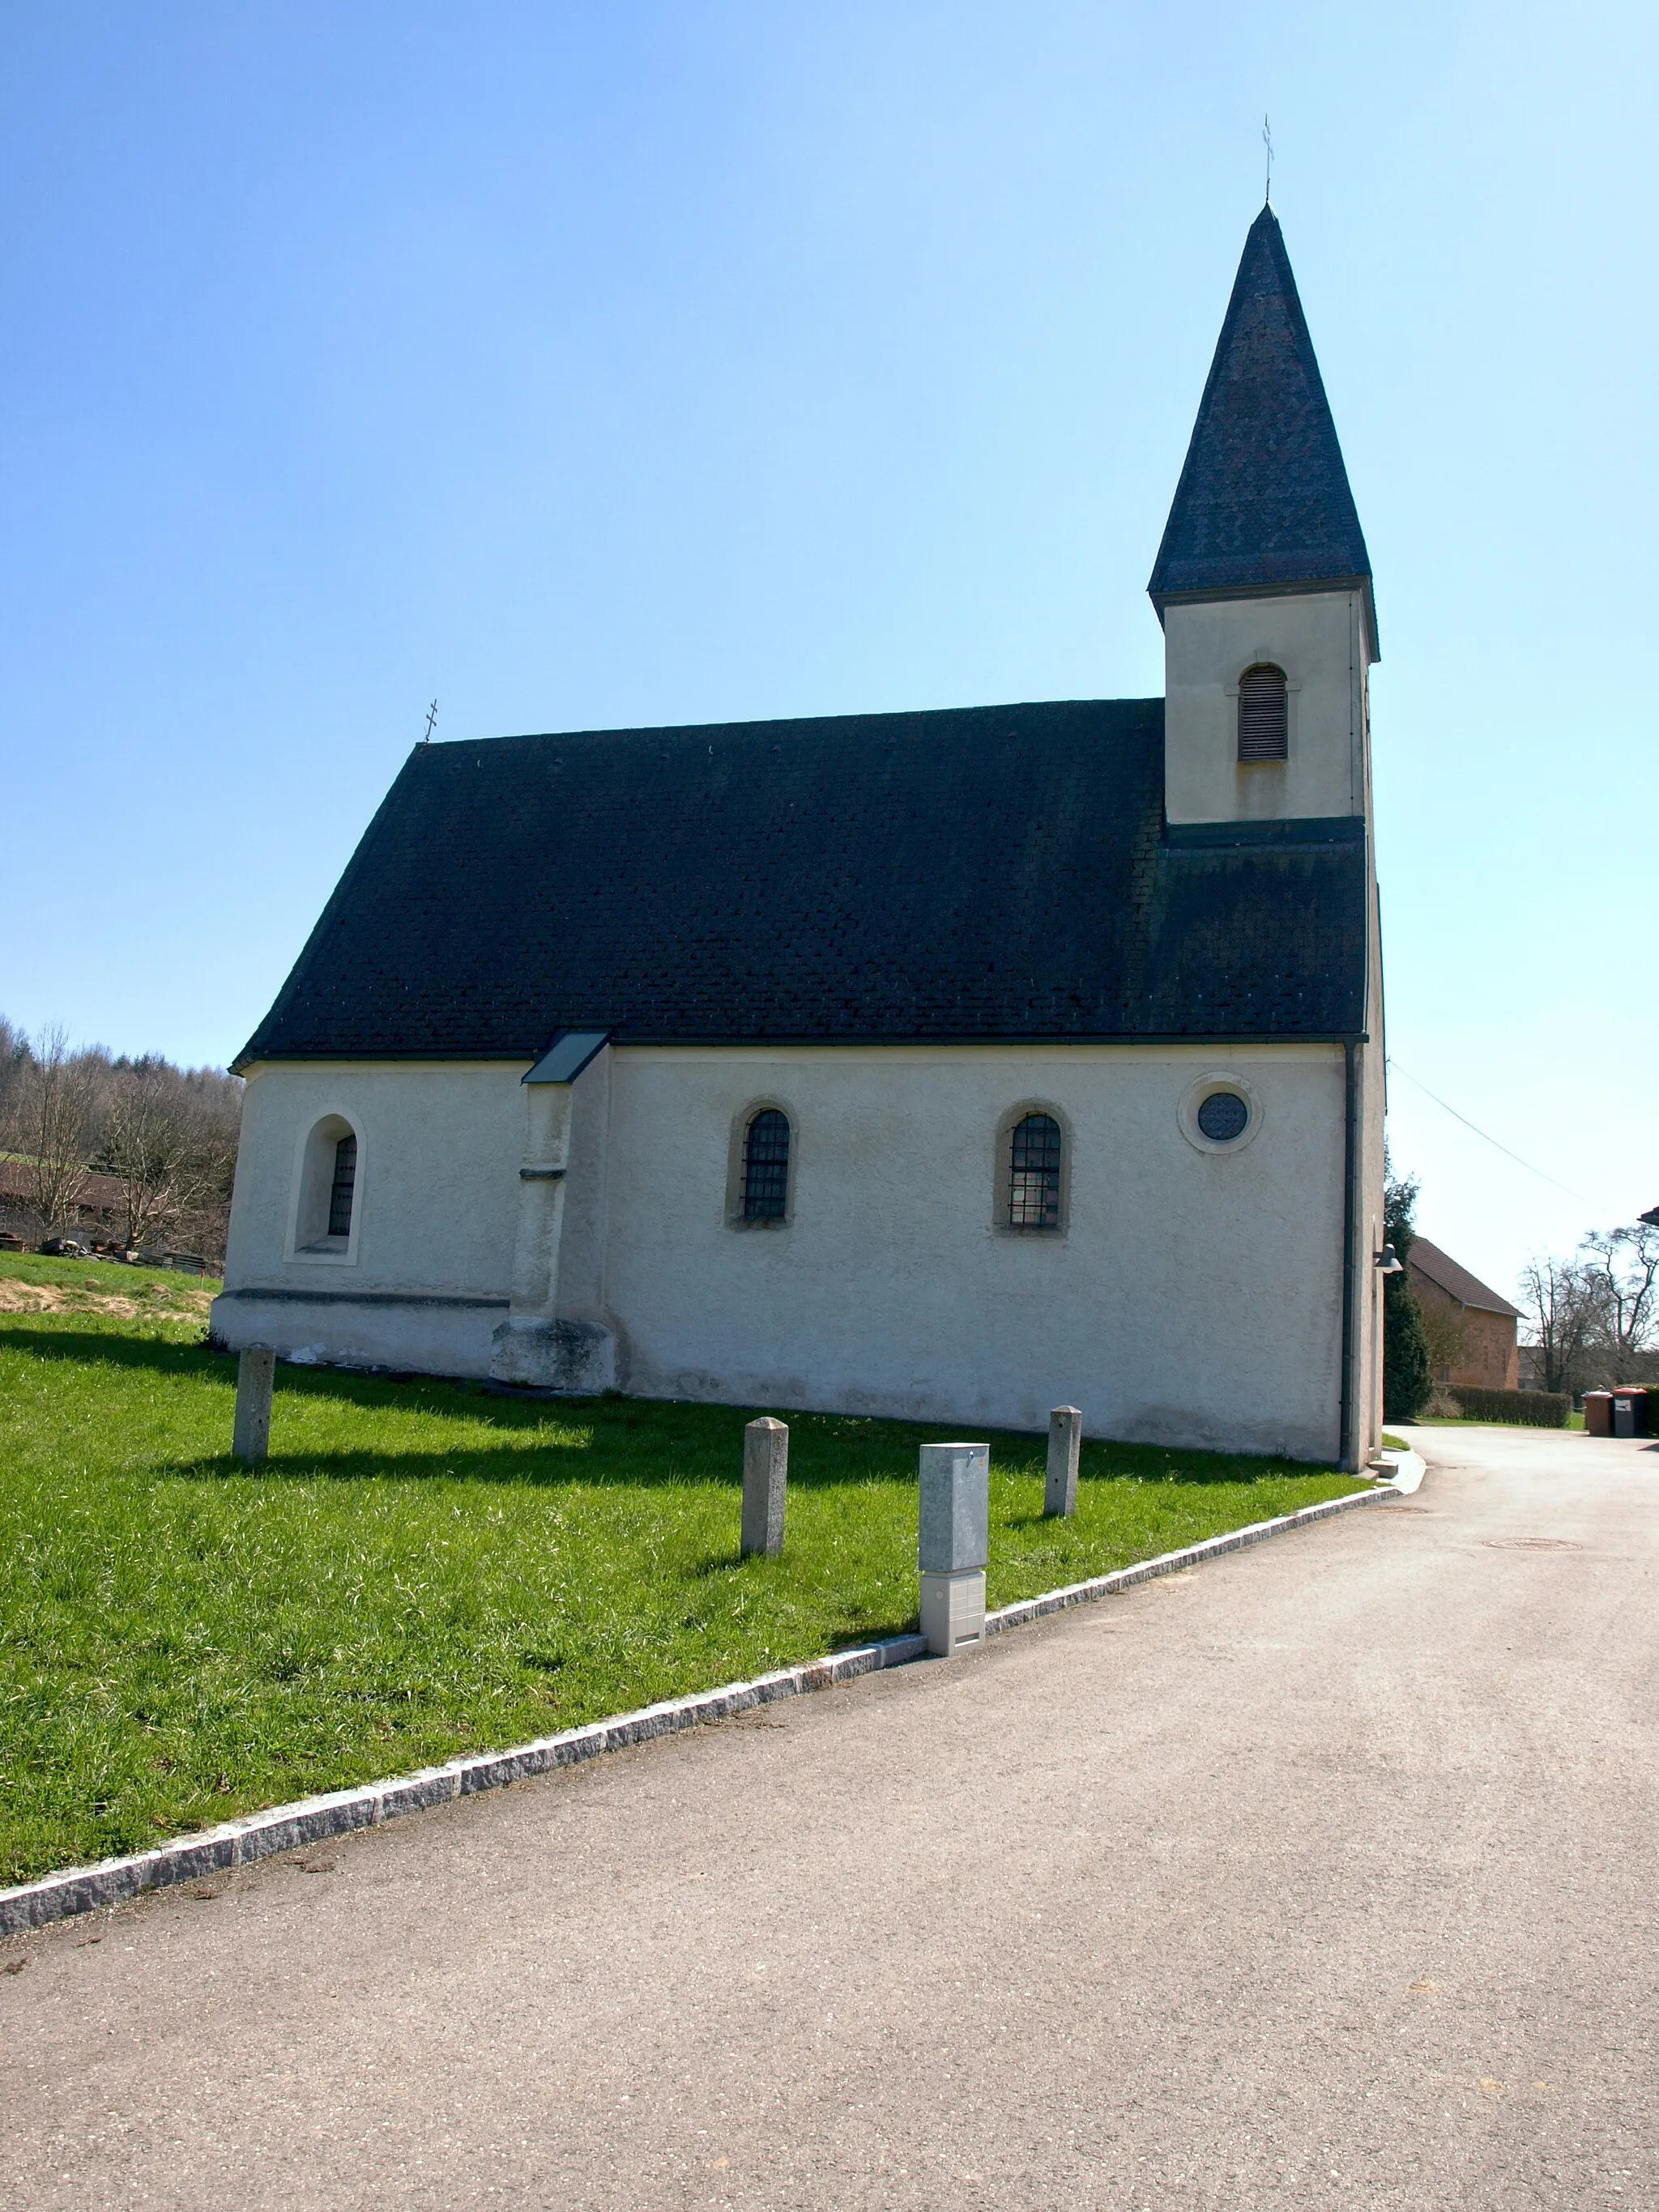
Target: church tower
[[1263, 586], [1262, 582]]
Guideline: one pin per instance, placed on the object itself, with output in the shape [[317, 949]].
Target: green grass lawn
[[420, 1569]]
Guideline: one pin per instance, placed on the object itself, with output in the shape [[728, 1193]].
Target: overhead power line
[[1486, 1137]]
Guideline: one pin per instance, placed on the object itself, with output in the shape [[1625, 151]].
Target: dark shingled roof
[[1263, 499], [988, 872]]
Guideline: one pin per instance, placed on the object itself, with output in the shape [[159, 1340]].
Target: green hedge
[[1531, 1409]]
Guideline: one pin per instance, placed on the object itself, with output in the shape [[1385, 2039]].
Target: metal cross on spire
[[431, 719], [1268, 141]]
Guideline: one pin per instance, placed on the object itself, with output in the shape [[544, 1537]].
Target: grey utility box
[[954, 1543]]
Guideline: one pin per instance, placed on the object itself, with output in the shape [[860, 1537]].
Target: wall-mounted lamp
[[1389, 1260]]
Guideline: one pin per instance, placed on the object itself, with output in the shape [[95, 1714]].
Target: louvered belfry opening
[[1263, 714], [766, 1167]]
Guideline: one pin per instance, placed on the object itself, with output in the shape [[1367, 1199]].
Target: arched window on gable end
[[344, 1186], [1035, 1160], [766, 1166], [1263, 714], [328, 1196]]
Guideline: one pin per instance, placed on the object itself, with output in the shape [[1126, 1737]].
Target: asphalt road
[[1324, 1875]]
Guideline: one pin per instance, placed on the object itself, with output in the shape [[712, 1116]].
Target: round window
[[1222, 1116]]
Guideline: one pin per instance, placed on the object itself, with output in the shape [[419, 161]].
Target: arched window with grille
[[1035, 1157], [344, 1186], [328, 1192], [766, 1166], [1263, 714]]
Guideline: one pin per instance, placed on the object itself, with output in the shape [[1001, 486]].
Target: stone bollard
[[1065, 1438], [953, 1545], [250, 1437], [765, 1485]]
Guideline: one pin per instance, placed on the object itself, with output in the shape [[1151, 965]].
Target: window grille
[[766, 1166], [1222, 1116], [1034, 1177], [1263, 715], [339, 1196]]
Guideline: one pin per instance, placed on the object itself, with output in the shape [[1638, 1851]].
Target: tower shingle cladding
[[1263, 499]]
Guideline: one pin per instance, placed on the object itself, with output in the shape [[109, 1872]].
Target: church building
[[947, 1065]]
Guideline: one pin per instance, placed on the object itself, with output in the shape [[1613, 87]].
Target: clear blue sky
[[668, 361]]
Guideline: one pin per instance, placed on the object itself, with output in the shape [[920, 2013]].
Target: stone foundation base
[[578, 1355]]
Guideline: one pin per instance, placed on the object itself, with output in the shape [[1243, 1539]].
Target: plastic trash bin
[[1598, 1413]]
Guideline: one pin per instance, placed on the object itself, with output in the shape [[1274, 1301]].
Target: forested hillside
[[112, 1151]]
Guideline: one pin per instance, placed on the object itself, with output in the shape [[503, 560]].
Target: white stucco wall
[[1319, 640], [1193, 1298], [435, 1212]]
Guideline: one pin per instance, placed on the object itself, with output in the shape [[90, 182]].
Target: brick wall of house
[[1494, 1361]]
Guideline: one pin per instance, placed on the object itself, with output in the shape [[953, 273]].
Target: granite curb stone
[[1028, 1609], [340, 1812]]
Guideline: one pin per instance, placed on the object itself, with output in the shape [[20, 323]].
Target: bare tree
[[1623, 1265], [1446, 1333], [58, 1100], [168, 1133], [215, 1125], [147, 1143], [1594, 1318], [14, 1060], [171, 1136], [1562, 1306]]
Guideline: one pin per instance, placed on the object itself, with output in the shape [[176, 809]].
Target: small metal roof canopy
[[568, 1053]]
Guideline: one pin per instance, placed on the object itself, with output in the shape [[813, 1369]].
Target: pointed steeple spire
[[1263, 503]]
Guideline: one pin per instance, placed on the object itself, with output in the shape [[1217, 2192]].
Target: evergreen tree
[[1408, 1378]]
